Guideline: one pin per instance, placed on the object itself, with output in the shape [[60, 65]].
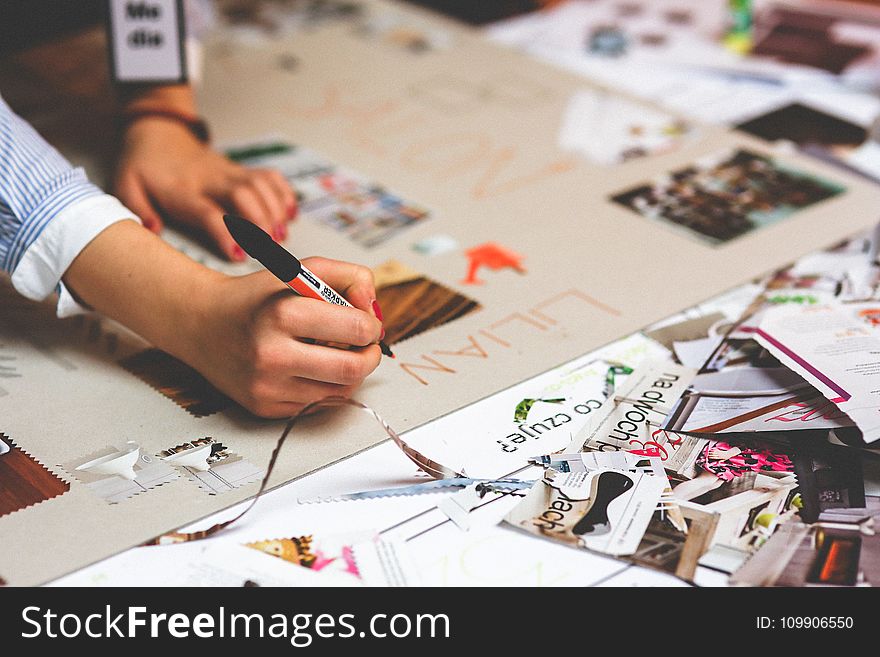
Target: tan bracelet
[[195, 125]]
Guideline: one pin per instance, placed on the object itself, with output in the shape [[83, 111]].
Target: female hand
[[255, 343], [164, 170]]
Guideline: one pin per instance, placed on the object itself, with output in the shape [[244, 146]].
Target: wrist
[[174, 97], [193, 312], [194, 125], [166, 103]]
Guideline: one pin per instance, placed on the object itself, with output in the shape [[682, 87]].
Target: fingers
[[326, 322], [264, 362], [298, 390], [209, 216], [344, 367], [288, 396], [279, 390], [130, 191], [198, 209], [354, 282], [273, 205], [274, 410], [244, 199], [278, 410], [283, 190], [265, 198], [278, 194]]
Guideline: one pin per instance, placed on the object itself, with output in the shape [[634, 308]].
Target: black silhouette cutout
[[607, 487]]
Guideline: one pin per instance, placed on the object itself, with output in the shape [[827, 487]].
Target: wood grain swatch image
[[412, 303], [178, 381], [24, 481]]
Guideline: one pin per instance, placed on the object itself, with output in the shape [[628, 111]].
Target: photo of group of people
[[727, 196]]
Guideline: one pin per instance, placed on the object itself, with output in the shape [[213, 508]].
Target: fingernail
[[283, 229], [382, 334], [377, 311], [276, 234], [237, 253], [291, 210]]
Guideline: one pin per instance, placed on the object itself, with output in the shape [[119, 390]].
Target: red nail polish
[[377, 310], [237, 253], [291, 210]]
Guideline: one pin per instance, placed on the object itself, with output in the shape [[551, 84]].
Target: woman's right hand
[[254, 339], [249, 335]]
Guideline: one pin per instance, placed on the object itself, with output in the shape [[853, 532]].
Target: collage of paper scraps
[[740, 437], [760, 422]]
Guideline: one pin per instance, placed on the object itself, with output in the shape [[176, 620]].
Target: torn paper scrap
[[608, 129], [836, 347], [742, 388], [631, 420], [368, 559], [458, 506], [632, 462], [605, 510], [837, 552]]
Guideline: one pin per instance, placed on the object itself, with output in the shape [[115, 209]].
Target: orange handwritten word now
[[400, 129]]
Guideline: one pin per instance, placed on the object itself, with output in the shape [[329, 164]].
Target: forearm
[[132, 276]]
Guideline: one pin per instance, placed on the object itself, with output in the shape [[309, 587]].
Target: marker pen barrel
[[307, 284]]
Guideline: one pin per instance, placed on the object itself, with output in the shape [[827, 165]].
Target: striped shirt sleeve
[[49, 211]]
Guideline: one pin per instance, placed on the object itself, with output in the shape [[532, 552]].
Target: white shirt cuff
[[39, 272]]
